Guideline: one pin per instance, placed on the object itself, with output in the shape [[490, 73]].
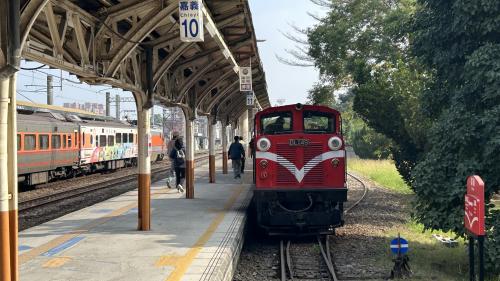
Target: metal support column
[[108, 104], [144, 162], [244, 130], [224, 148], [50, 90], [189, 157], [5, 247], [211, 149], [12, 181], [117, 99]]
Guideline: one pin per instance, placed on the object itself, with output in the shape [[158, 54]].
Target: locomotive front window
[[318, 122], [276, 123]]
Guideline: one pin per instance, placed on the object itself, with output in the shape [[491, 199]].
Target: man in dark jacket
[[236, 153], [178, 155]]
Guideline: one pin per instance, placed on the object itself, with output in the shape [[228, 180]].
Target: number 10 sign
[[191, 20]]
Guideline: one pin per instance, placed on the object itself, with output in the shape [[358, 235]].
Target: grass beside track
[[429, 259]]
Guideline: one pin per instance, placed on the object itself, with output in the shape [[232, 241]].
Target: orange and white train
[[53, 145]]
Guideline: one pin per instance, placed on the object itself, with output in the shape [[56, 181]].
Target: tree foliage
[[363, 45], [460, 40]]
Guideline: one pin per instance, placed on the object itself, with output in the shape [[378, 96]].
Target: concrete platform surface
[[198, 239]]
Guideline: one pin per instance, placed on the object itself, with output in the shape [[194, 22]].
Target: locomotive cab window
[[318, 122], [276, 123]]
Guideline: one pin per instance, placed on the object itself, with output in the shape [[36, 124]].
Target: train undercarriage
[[300, 212]]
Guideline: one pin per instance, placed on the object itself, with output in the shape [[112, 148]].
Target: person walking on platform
[[170, 146], [251, 145], [236, 153], [242, 158], [178, 154]]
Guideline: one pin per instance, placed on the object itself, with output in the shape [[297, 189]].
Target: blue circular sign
[[400, 245]]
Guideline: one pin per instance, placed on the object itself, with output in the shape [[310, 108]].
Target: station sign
[[250, 99], [474, 206], [191, 20], [245, 79]]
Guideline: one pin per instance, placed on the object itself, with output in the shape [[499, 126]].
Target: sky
[[271, 18]]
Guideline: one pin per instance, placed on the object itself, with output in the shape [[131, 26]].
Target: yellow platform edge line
[[185, 261]]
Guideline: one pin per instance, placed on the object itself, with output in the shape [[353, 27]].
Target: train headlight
[[334, 143], [335, 162], [263, 144], [263, 163]]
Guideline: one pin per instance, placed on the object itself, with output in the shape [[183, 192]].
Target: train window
[[64, 141], [76, 139], [130, 138], [18, 142], [29, 142], [118, 138], [43, 142], [102, 140], [70, 142], [111, 140], [56, 141], [96, 141], [276, 123], [318, 122], [83, 139], [125, 138]]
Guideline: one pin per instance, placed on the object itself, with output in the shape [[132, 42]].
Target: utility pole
[[108, 104], [50, 90], [117, 100]]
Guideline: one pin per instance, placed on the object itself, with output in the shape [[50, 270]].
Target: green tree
[[321, 94], [363, 45], [460, 41]]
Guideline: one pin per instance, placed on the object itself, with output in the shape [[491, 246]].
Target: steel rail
[[365, 191]]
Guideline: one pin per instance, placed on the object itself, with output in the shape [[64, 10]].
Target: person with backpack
[[236, 153], [170, 147], [178, 154]]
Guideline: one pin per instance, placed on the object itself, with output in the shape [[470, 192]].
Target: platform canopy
[[114, 41]]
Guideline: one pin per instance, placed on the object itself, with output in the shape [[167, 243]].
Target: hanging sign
[[245, 79], [250, 99], [191, 20], [474, 206]]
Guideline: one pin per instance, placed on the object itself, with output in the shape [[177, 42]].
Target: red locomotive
[[300, 170]]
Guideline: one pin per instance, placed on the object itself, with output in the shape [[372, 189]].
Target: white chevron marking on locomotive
[[299, 174]]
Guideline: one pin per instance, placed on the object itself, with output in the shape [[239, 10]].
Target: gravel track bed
[[354, 248], [37, 216]]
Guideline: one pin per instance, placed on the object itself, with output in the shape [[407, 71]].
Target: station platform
[[197, 239]]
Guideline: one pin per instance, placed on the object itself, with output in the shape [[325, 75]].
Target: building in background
[[95, 108]]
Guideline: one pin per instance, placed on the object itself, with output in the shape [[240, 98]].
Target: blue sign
[[402, 245]]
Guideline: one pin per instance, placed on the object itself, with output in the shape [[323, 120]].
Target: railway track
[[66, 194], [311, 260]]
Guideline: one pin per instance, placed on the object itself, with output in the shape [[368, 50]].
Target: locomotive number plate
[[298, 142]]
